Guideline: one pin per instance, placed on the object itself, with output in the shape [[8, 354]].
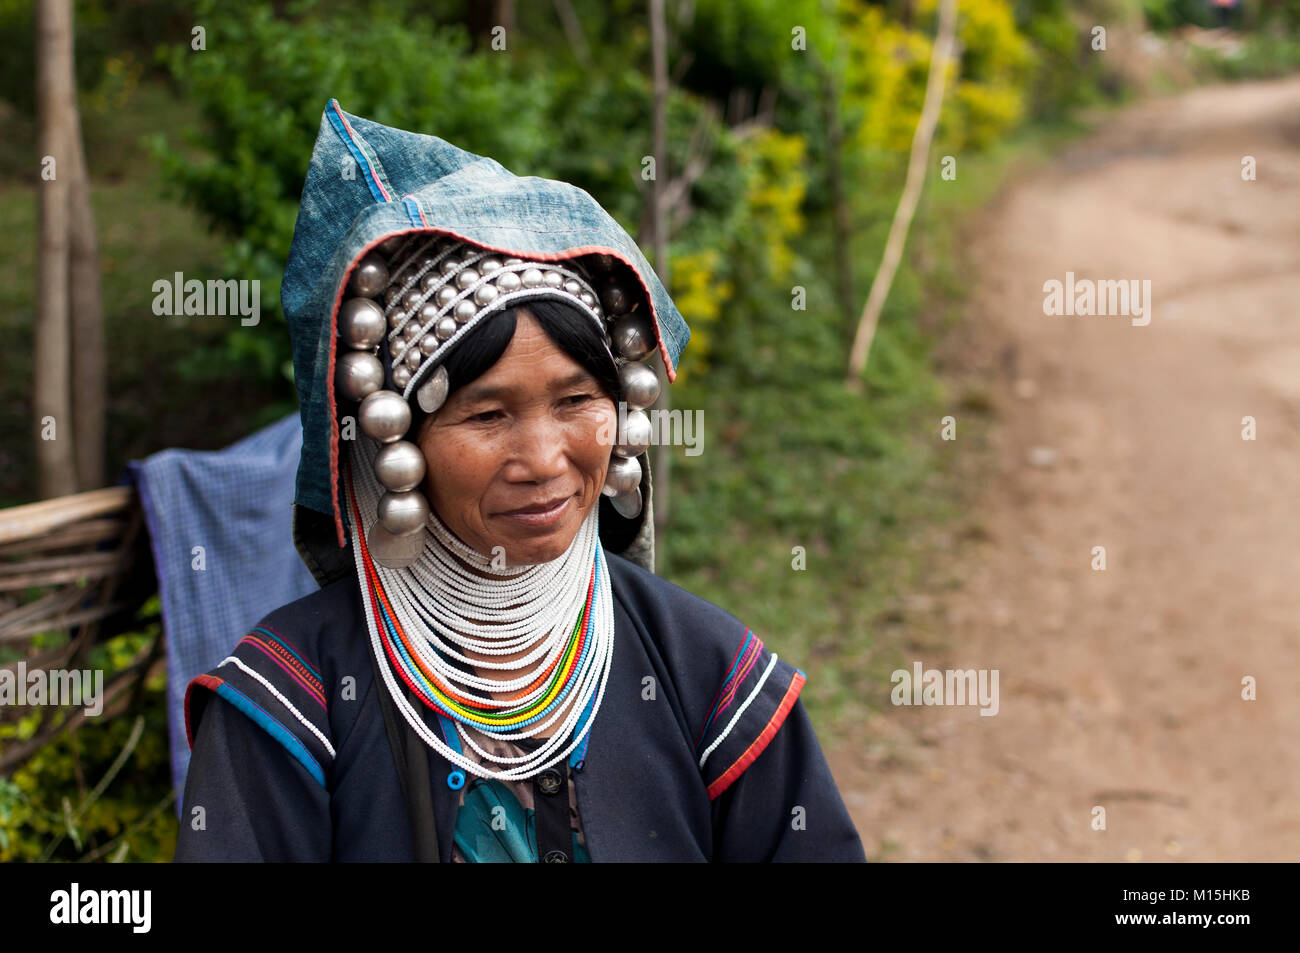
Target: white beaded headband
[[435, 291]]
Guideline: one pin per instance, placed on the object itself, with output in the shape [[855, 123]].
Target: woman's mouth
[[541, 514]]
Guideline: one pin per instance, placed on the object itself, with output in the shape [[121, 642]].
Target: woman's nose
[[540, 454]]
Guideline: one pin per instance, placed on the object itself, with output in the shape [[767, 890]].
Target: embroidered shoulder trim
[[273, 683], [749, 708]]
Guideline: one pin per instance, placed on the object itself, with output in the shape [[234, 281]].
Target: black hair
[[572, 331]]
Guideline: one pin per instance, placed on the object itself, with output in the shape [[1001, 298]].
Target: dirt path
[[1122, 688]]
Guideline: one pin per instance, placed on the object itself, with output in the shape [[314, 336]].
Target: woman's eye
[[486, 416], [578, 398]]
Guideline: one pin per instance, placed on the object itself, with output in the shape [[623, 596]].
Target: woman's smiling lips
[[541, 514]]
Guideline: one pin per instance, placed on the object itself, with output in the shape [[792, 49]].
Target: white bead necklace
[[445, 608]]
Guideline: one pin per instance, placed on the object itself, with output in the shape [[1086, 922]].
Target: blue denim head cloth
[[368, 182]]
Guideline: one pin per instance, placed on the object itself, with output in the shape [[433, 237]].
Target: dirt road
[[1122, 688]]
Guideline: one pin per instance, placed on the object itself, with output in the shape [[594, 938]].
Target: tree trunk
[[51, 395], [89, 379]]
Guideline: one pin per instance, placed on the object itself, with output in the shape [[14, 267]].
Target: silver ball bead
[[411, 300], [401, 376], [636, 434], [369, 277], [623, 475], [553, 279], [485, 294], [428, 313], [632, 336], [428, 281], [403, 513], [428, 344], [361, 323], [489, 265], [384, 416], [390, 246], [445, 296], [400, 466], [640, 385], [358, 375], [449, 264], [532, 278], [508, 281], [571, 286], [412, 330], [445, 328], [615, 299], [464, 311], [391, 295], [425, 263], [413, 358], [514, 261], [587, 298], [466, 277]]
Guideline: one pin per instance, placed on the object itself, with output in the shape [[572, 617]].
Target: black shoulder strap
[[411, 758]]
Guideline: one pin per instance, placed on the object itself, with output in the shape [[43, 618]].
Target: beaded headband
[[434, 291]]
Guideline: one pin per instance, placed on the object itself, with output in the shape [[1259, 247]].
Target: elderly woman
[[490, 671]]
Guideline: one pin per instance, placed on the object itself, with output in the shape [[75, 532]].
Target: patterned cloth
[[235, 504]]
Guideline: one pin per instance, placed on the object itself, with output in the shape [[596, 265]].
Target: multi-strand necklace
[[424, 619]]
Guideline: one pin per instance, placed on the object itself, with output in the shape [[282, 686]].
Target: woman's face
[[534, 429]]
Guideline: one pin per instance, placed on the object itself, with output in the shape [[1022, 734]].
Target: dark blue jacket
[[291, 761]]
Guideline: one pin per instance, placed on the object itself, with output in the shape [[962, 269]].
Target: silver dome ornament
[[587, 298], [445, 296], [369, 277], [571, 286], [357, 375], [508, 281], [531, 278], [614, 298], [514, 261], [411, 331], [636, 434], [428, 344], [449, 265], [400, 466], [391, 295], [632, 336], [628, 505], [414, 358], [428, 313], [384, 416], [466, 277], [445, 328], [485, 294], [392, 551], [464, 311], [640, 385], [361, 323], [489, 265], [403, 513], [411, 300], [390, 246], [553, 279], [623, 475], [432, 394], [401, 376], [429, 281]]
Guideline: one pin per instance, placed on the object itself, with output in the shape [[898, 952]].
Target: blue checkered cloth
[[236, 504]]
